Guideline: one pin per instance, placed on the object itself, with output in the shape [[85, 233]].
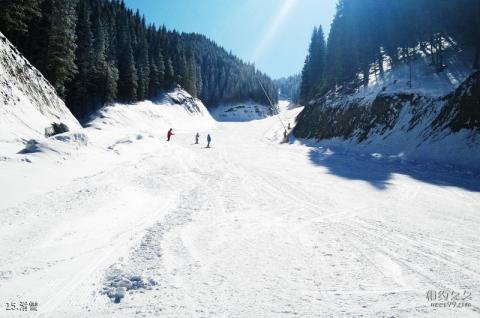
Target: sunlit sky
[[274, 34]]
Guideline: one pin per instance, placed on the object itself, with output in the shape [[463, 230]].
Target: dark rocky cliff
[[338, 114]]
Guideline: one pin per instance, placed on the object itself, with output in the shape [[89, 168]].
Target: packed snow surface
[[126, 224]]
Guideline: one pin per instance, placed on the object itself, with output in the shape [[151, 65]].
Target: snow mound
[[63, 144], [242, 112], [29, 104], [177, 110], [118, 283], [181, 97]]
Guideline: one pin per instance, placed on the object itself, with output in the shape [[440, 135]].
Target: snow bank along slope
[[114, 130], [436, 118], [118, 124], [246, 111], [28, 103], [176, 109]]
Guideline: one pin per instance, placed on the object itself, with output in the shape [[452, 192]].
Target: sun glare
[[272, 30]]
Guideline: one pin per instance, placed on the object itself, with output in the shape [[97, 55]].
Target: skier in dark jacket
[[209, 139], [170, 134], [285, 137], [197, 136]]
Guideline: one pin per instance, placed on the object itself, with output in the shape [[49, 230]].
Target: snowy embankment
[[29, 103], [247, 111], [433, 119], [76, 202], [176, 109], [141, 126]]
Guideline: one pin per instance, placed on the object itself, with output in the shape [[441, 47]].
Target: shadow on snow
[[378, 170]]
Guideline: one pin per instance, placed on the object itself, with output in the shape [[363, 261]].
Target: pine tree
[[100, 72], [80, 91], [169, 74], [142, 58], [191, 75], [199, 82], [318, 58], [128, 80], [15, 16], [60, 57], [180, 67], [111, 52], [313, 72], [160, 63]]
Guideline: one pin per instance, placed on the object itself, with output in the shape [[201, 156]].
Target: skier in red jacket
[[170, 134]]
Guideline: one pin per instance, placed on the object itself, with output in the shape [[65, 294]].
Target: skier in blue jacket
[[209, 139]]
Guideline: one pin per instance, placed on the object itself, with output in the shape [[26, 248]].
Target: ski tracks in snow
[[248, 228], [251, 236]]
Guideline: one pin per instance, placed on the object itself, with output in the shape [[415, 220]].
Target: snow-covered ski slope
[[248, 228]]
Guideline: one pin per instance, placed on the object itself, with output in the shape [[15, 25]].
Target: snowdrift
[[436, 118], [176, 109], [29, 104]]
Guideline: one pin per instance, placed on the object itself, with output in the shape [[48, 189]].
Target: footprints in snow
[[142, 271]]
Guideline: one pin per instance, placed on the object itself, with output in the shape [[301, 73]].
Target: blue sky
[[274, 34]]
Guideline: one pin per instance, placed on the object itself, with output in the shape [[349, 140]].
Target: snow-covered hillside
[[29, 104], [175, 109], [433, 118], [116, 130], [246, 111]]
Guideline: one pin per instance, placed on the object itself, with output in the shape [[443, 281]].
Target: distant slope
[[241, 112], [289, 87], [437, 118], [28, 102]]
